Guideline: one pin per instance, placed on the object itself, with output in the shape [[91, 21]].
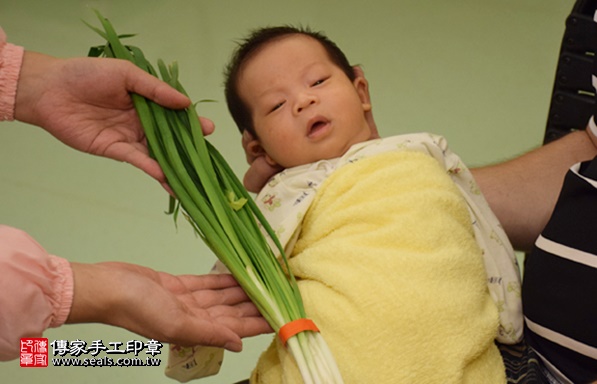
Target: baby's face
[[304, 107]]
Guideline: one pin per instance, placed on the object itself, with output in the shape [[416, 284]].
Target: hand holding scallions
[[85, 103]]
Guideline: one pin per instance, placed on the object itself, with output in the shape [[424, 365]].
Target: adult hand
[[186, 310], [260, 171], [85, 103]]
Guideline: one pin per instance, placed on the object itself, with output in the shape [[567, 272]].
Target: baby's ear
[[362, 86], [254, 149]]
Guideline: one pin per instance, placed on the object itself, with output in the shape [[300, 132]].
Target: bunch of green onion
[[221, 211]]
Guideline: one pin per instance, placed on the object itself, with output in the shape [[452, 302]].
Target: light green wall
[[479, 72]]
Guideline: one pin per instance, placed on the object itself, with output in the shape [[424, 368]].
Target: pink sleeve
[[11, 58], [36, 290]]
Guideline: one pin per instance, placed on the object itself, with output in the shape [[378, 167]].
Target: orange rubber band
[[296, 326]]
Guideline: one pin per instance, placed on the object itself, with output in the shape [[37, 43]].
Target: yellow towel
[[390, 271]]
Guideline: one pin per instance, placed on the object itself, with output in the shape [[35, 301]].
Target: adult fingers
[[207, 126], [258, 174], [144, 84], [136, 157]]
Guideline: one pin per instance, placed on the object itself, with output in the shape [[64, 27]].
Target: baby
[[379, 231]]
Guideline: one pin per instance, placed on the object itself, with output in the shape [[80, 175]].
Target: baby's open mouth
[[316, 126]]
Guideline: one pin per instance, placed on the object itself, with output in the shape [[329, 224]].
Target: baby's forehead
[[307, 43], [285, 53]]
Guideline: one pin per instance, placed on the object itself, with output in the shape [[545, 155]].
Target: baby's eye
[[318, 82], [277, 106]]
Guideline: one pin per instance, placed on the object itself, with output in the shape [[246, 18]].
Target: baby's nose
[[304, 101]]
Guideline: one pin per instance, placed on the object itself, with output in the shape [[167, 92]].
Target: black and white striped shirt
[[560, 282]]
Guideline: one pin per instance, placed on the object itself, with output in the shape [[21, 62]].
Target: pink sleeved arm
[[36, 290], [11, 58]]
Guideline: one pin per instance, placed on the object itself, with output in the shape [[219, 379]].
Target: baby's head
[[296, 93]]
